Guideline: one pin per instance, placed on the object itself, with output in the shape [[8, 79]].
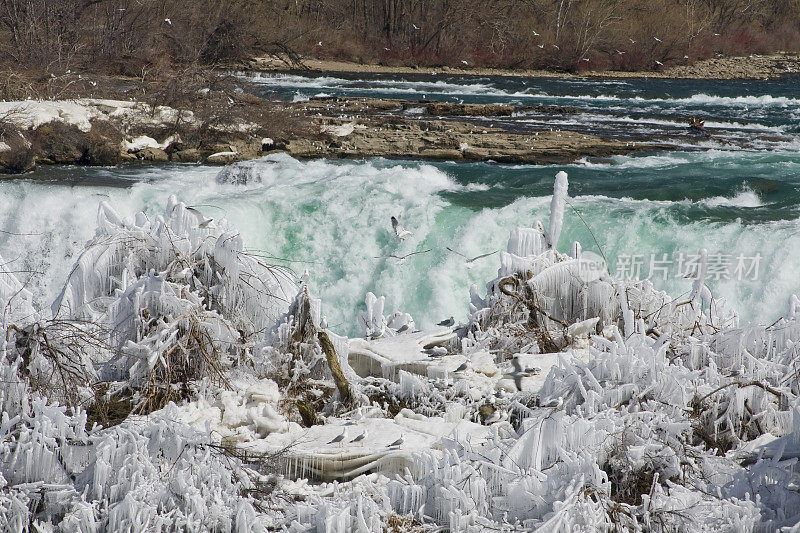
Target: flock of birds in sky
[[541, 46]]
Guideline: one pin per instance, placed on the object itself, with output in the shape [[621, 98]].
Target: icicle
[[557, 208]]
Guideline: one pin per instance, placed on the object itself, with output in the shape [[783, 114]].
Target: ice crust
[[569, 401]]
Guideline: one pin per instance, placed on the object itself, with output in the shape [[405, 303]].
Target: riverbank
[[748, 67]]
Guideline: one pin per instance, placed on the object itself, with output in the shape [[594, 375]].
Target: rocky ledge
[[109, 132]]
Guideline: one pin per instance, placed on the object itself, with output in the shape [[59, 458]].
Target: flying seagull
[[360, 438], [339, 438], [168, 21], [631, 40], [620, 52], [202, 222], [464, 61], [401, 258], [401, 232], [659, 63], [399, 442], [657, 39], [534, 32], [541, 46], [447, 323], [520, 372]]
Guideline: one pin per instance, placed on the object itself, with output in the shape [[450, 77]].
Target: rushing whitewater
[[179, 380]]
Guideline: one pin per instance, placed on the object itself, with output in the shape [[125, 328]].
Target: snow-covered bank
[[567, 400]]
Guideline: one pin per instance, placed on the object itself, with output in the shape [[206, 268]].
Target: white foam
[[744, 198]]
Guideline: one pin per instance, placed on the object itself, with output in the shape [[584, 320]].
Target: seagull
[[319, 43], [492, 418], [716, 35], [464, 62], [399, 442], [541, 46], [323, 322], [520, 372], [202, 222], [339, 438], [556, 47], [657, 39], [534, 32], [404, 328], [620, 52], [471, 261], [401, 258], [436, 351], [659, 63], [585, 59], [415, 26], [168, 21], [305, 277], [401, 232], [387, 49], [447, 323], [631, 40], [360, 438], [554, 403], [463, 366]]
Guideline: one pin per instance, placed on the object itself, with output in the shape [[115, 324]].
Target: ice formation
[[179, 382]]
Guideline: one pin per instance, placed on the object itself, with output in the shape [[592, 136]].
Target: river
[[735, 194]]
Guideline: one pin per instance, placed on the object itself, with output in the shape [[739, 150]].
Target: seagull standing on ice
[[305, 277], [399, 442], [339, 438], [462, 367], [202, 222], [401, 232], [360, 438], [555, 404], [492, 418], [447, 323]]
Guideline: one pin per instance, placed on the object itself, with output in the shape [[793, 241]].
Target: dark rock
[[60, 143], [442, 109], [152, 154], [20, 156], [191, 155]]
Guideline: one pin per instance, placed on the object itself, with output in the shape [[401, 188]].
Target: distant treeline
[[126, 36]]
